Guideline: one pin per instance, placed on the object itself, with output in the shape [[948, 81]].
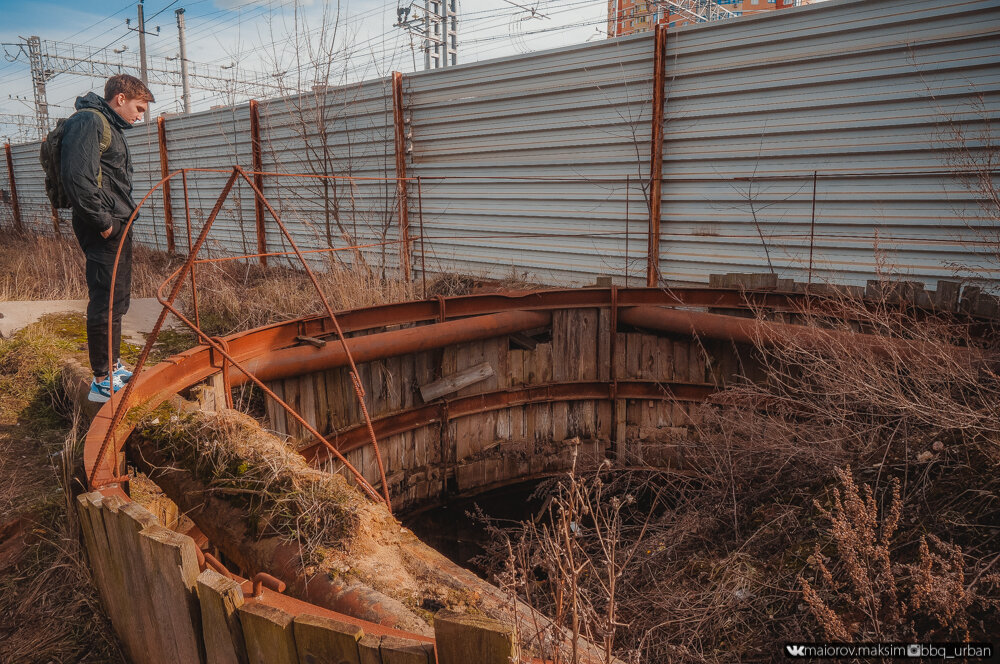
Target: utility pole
[[143, 74], [441, 28], [38, 77], [185, 90], [142, 55], [437, 29]]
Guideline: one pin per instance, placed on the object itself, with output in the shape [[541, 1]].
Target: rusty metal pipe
[[307, 359], [767, 333]]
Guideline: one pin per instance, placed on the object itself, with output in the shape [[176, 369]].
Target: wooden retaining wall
[[168, 610], [495, 447]]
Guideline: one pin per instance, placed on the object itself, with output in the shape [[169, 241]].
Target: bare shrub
[[904, 421], [867, 597], [568, 563]]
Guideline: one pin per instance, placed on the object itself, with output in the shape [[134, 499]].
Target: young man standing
[[96, 174]]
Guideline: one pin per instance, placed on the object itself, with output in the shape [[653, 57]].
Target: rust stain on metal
[[14, 203], [168, 212], [656, 155], [258, 180], [399, 122]]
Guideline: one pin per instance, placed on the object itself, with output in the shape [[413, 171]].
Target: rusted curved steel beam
[[254, 351], [193, 366]]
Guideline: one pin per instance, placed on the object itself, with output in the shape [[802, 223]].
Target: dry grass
[[253, 470], [50, 611], [239, 296], [39, 267], [232, 296], [849, 492]]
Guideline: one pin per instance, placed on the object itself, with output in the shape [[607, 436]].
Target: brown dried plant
[[863, 548], [864, 596]]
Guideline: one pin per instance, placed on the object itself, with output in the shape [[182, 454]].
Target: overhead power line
[[48, 59]]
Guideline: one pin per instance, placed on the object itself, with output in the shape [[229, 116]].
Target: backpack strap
[[105, 137]]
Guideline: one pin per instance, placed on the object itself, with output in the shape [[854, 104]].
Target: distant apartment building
[[626, 17]]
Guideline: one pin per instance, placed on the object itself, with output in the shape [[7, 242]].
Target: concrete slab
[[136, 325]]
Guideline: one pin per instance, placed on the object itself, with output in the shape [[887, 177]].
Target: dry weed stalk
[[40, 267], [866, 596], [569, 562], [863, 550]]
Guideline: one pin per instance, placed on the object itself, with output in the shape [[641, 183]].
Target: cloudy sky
[[261, 37]]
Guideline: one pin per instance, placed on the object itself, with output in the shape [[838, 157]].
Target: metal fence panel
[[345, 132], [36, 211], [533, 167], [6, 201], [216, 140], [877, 103], [834, 142], [144, 146]]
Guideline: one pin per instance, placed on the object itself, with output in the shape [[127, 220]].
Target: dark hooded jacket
[[95, 209]]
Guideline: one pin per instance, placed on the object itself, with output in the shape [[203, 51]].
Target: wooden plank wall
[[166, 610], [515, 442]]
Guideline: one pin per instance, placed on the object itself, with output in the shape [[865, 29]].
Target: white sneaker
[[100, 391]]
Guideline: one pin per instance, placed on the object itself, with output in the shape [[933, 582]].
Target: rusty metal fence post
[[168, 213], [656, 156], [258, 180], [399, 122], [13, 189]]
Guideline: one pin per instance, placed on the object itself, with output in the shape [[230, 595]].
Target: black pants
[[100, 255]]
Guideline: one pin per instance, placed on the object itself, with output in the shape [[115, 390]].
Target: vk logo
[[796, 651]]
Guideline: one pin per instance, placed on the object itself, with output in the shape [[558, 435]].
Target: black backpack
[[50, 154]]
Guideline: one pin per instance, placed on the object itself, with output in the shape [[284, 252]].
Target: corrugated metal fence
[[838, 140]]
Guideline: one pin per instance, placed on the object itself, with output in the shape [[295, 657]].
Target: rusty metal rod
[[187, 216], [812, 228], [264, 580], [119, 411], [423, 252], [329, 312]]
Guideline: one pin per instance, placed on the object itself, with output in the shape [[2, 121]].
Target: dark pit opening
[[455, 531]]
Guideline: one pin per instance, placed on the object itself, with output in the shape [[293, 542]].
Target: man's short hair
[[130, 86]]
